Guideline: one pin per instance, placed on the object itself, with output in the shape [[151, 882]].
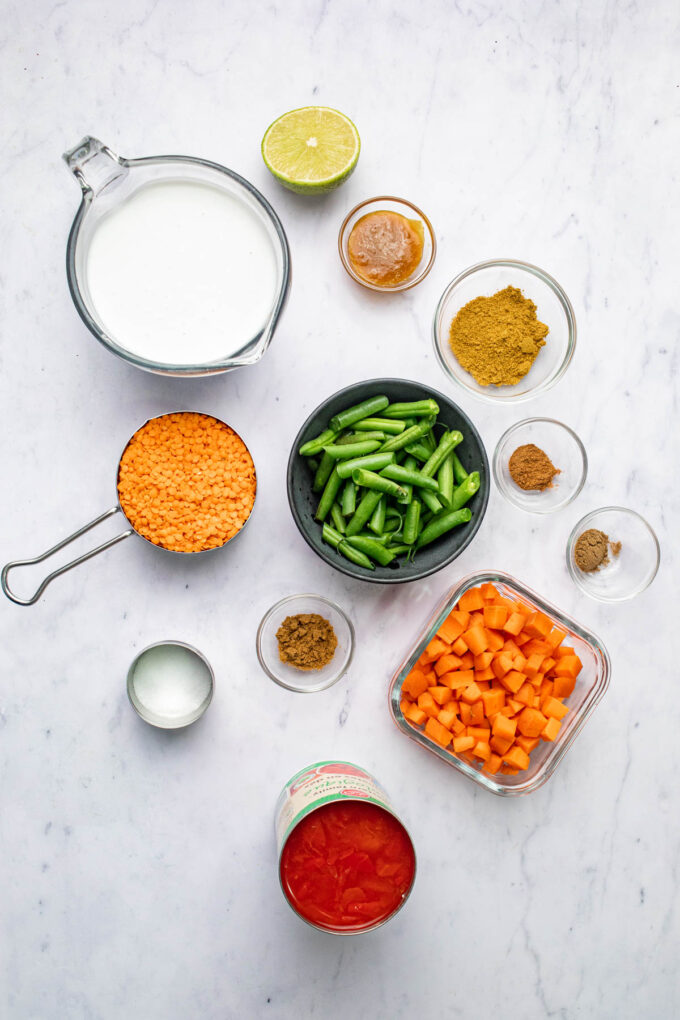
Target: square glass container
[[591, 685]]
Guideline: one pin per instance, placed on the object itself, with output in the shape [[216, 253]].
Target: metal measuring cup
[[131, 530]]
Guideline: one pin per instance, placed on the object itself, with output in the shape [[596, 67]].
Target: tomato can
[[336, 782]]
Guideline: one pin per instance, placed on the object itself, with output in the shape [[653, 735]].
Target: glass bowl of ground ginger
[[613, 554], [504, 331], [540, 465]]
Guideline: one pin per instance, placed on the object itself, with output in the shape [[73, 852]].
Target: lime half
[[311, 150]]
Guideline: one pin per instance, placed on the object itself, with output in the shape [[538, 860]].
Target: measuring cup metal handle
[[67, 566]]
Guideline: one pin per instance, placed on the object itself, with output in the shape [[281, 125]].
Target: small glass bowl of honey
[[387, 244]]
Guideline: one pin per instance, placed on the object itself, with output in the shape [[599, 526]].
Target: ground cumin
[[186, 482], [591, 550], [496, 339], [306, 641], [531, 468]]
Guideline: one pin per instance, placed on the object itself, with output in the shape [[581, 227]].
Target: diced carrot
[[522, 639], [405, 707], [488, 591], [428, 704], [493, 764], [533, 665], [482, 750], [415, 683], [554, 709], [436, 648], [476, 713], [563, 651], [495, 616], [446, 664], [456, 680], [471, 600], [463, 743], [438, 733], [525, 694], [516, 758], [461, 617], [508, 711], [531, 722], [493, 701], [538, 625], [548, 665], [556, 637], [515, 705], [478, 732], [467, 661], [495, 639], [458, 728], [500, 745], [502, 664], [483, 660], [563, 687], [441, 694], [475, 639], [511, 647], [547, 689], [527, 743], [484, 675], [507, 770], [514, 624], [471, 693], [551, 729], [450, 629], [447, 715], [534, 645], [465, 713], [476, 620], [504, 727], [513, 680], [417, 716], [459, 647], [568, 665]]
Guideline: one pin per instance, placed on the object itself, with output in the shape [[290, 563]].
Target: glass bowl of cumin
[[548, 490], [553, 308]]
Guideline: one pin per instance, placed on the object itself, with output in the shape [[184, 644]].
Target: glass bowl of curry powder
[[504, 331]]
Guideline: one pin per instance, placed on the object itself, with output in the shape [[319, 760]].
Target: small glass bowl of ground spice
[[613, 554], [305, 643], [387, 244], [540, 465], [504, 330]]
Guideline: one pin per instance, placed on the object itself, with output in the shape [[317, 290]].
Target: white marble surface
[[138, 868]]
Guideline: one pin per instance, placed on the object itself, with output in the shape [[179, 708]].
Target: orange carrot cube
[[493, 700], [463, 744], [514, 624], [471, 600], [516, 758], [538, 625], [504, 727], [438, 733], [495, 617], [471, 693], [551, 729], [554, 709], [441, 694], [493, 764], [531, 722]]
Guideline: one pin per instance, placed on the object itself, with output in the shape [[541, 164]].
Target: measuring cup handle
[[67, 566], [94, 165]]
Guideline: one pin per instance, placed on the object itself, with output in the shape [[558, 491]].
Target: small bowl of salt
[[170, 684]]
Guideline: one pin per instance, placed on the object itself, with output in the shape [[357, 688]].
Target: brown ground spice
[[590, 551], [531, 468], [306, 641]]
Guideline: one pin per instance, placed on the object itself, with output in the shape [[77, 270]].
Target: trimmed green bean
[[419, 451], [445, 481], [344, 451], [323, 473], [372, 462], [466, 490], [430, 500], [337, 518], [408, 436], [383, 539], [398, 550], [348, 500], [328, 495], [406, 476], [392, 428], [377, 521], [412, 522], [314, 446], [370, 547], [441, 524], [366, 409], [355, 555], [392, 525], [413, 409], [446, 444], [364, 437], [331, 536], [459, 472], [371, 480], [364, 511]]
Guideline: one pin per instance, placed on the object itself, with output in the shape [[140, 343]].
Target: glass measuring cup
[[108, 182], [131, 530]]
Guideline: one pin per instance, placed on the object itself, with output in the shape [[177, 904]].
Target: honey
[[384, 247]]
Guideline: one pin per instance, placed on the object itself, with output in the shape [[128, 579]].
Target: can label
[[322, 783]]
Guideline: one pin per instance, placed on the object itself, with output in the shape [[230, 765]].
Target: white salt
[[171, 681]]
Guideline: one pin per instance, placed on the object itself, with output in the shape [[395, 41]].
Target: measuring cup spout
[[94, 165], [68, 566]]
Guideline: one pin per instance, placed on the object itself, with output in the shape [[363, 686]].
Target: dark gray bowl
[[303, 501]]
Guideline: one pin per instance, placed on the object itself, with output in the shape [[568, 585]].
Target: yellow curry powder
[[496, 339]]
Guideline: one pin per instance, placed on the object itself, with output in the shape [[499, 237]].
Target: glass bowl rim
[[410, 281], [495, 469], [309, 688], [567, 307], [596, 692], [576, 531]]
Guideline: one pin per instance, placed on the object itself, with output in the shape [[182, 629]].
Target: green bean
[[399, 550], [366, 409], [446, 444], [364, 437], [383, 539], [414, 409], [392, 526], [348, 501], [412, 522], [315, 446], [337, 518], [331, 536], [429, 442], [355, 555], [459, 472], [441, 524], [371, 480], [328, 495], [406, 476], [370, 547], [430, 500], [343, 451], [372, 462], [407, 437], [377, 521], [323, 473], [392, 428], [419, 451], [445, 481], [466, 490], [364, 511]]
